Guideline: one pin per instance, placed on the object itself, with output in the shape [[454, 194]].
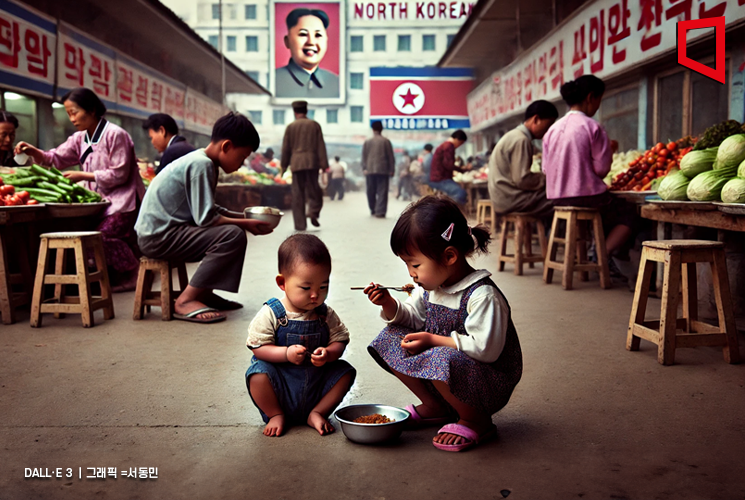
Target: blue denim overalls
[[299, 388]]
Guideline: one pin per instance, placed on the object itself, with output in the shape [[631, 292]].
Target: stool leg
[[724, 307], [39, 284], [81, 265], [541, 237], [59, 268], [502, 244], [148, 287], [519, 240], [570, 248], [690, 295], [602, 253], [639, 305], [6, 290], [100, 257], [166, 286], [582, 250], [529, 243], [139, 293], [548, 272], [492, 220], [669, 310]]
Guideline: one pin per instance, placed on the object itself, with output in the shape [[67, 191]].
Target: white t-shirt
[[486, 324], [265, 324]]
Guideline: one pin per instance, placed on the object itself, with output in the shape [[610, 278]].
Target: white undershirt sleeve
[[412, 313]]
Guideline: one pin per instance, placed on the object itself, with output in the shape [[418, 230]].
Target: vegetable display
[[731, 153], [653, 164], [734, 191], [714, 135], [674, 186], [47, 186], [707, 186], [696, 162]]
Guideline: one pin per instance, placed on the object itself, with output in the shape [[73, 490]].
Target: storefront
[[43, 56]]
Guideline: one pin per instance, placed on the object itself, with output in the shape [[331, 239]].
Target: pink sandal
[[417, 421], [472, 438]]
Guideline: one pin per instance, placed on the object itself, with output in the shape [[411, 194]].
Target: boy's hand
[[319, 357], [296, 354], [376, 295], [257, 227], [414, 343]]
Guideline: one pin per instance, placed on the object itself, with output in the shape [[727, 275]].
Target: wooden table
[[665, 219]]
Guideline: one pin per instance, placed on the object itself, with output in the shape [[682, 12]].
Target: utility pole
[[222, 55]]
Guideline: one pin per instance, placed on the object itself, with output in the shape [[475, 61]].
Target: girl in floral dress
[[452, 343]]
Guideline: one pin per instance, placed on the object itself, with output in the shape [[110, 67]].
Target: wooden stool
[[10, 299], [485, 213], [523, 241], [670, 332], [84, 303], [146, 297], [575, 242]]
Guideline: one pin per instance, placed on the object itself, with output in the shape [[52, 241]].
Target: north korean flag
[[420, 98]]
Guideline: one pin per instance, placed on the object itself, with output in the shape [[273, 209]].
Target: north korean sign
[[420, 98]]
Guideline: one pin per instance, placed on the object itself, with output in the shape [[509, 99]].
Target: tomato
[[661, 173], [650, 160], [672, 146], [639, 176], [32, 202], [1, 181], [664, 152], [24, 195], [6, 190]]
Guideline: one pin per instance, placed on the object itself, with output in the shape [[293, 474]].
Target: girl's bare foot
[[275, 426], [425, 411], [478, 427], [320, 423]]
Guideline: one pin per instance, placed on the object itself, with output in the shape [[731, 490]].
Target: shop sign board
[[27, 42], [411, 10], [605, 38], [420, 98], [85, 62]]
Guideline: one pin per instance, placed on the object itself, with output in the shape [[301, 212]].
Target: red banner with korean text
[[201, 112], [605, 38], [141, 91], [84, 62]]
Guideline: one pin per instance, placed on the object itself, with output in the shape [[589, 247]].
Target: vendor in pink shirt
[[577, 156], [106, 155]]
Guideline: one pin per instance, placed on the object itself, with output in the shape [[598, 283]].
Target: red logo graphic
[[715, 73]]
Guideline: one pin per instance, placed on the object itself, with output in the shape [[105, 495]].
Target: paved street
[[588, 420]]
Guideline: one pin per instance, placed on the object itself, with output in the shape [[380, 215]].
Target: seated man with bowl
[[180, 222]]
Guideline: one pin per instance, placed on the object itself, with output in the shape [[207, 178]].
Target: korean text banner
[[27, 42], [85, 62], [307, 45], [605, 38]]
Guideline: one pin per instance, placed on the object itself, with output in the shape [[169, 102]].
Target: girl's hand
[[377, 296], [414, 343], [296, 354], [319, 357], [33, 152]]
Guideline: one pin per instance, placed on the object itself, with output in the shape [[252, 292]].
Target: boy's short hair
[[294, 17], [460, 135], [157, 120], [237, 129], [302, 247], [542, 109], [428, 147]]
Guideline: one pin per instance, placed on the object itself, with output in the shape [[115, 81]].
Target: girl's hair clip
[[448, 232]]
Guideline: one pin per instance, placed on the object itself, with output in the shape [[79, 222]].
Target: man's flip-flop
[[220, 303], [417, 421], [470, 436], [192, 316]]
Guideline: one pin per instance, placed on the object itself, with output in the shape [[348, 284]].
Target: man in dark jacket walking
[[304, 153], [379, 165]]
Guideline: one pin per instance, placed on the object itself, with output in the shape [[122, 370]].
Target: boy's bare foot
[[275, 426], [320, 423]]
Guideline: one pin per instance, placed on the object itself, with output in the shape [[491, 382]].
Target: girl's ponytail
[[482, 238]]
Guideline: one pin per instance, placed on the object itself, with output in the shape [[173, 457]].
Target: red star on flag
[[408, 98]]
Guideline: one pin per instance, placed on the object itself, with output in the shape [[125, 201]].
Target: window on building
[[356, 113], [232, 11], [24, 108], [356, 44], [254, 75], [332, 116], [404, 43], [278, 116], [379, 43], [311, 114], [356, 81], [428, 42], [214, 41], [231, 43], [252, 43], [255, 117], [619, 114], [450, 39], [710, 102], [251, 11], [215, 11]]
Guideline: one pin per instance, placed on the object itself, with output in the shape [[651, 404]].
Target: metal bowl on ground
[[267, 214], [371, 433]]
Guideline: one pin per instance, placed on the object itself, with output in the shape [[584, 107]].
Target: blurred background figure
[[337, 173], [8, 126]]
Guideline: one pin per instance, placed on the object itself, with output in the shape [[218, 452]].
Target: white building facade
[[377, 34]]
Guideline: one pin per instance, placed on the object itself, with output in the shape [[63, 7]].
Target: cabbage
[[674, 186], [707, 186], [734, 191], [731, 153], [695, 162], [741, 170]]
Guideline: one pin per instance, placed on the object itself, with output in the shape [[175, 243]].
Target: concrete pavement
[[588, 420]]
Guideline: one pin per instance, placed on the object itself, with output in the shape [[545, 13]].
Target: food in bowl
[[371, 434], [270, 215], [375, 418]]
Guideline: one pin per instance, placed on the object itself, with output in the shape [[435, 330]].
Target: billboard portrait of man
[[307, 61]]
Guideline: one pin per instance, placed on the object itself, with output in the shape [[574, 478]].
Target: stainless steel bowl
[[267, 214], [371, 433]]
